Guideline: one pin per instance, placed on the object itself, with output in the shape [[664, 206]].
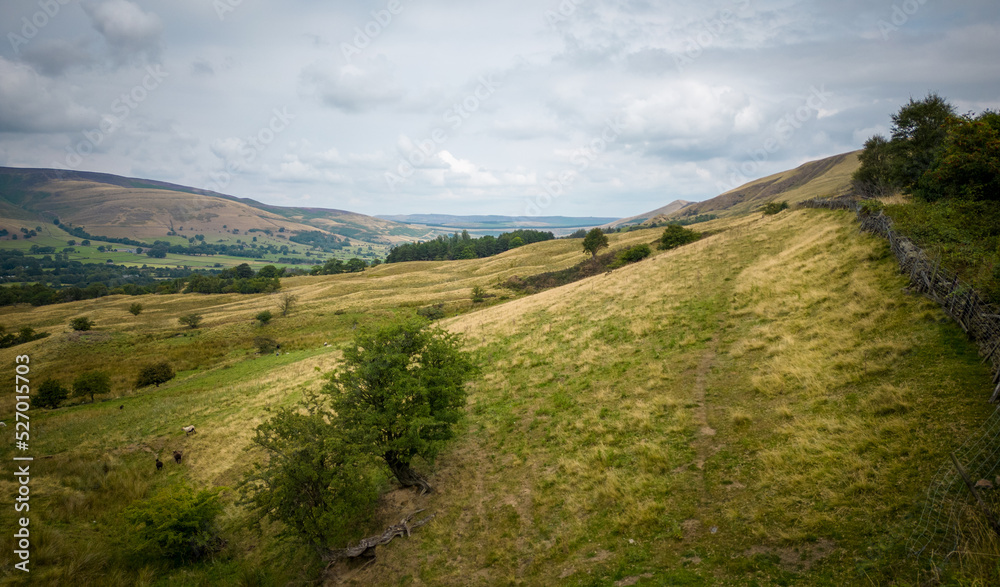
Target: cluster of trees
[[239, 279], [320, 240], [25, 334], [464, 246], [934, 154], [335, 266], [396, 397], [51, 393]]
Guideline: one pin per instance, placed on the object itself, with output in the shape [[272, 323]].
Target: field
[[753, 408]]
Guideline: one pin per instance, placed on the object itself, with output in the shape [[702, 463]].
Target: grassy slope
[[751, 408], [768, 381]]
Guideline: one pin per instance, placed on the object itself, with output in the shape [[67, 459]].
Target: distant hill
[[825, 177], [480, 223], [142, 209], [670, 208]]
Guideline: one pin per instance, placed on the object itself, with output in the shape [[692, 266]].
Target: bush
[[26, 334], [478, 295], [50, 394], [435, 312], [675, 236], [265, 345], [774, 207], [91, 383], [191, 320], [135, 309], [314, 481], [264, 317], [81, 323], [634, 254], [154, 374], [179, 526]]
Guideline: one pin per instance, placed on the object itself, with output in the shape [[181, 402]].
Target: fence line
[[959, 299]]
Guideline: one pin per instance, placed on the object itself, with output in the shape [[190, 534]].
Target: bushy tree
[[265, 344], [314, 480], [135, 309], [478, 295], [91, 383], [399, 392], [918, 129], [264, 317], [176, 525], [81, 323], [190, 320], [967, 165], [772, 208], [595, 241], [154, 374], [50, 394], [674, 236]]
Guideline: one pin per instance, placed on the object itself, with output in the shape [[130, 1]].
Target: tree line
[[464, 246], [934, 154]]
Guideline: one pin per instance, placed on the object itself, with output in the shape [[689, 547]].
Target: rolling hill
[[141, 209]]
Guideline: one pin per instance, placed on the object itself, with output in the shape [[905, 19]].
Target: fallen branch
[[367, 546]]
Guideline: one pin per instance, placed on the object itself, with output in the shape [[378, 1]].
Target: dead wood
[[366, 546]]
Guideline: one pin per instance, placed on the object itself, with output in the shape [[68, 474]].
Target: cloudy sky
[[571, 107]]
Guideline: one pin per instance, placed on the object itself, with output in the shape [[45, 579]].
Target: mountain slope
[[667, 210], [825, 177], [115, 206]]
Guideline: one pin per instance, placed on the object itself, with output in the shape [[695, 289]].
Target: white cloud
[[128, 30], [33, 104], [356, 87]]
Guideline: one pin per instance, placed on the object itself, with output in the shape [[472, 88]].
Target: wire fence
[[955, 510]]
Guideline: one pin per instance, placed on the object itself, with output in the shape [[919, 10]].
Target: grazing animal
[[3, 424], [121, 407], [177, 457], [159, 464], [188, 430]]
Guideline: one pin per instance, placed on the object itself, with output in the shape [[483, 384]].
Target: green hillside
[[753, 407]]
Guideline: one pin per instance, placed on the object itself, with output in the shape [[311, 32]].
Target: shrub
[[154, 374], [191, 320], [81, 323], [774, 207], [478, 295], [634, 254], [264, 317], [435, 312], [91, 383], [135, 309], [50, 394], [179, 526], [265, 345], [675, 236]]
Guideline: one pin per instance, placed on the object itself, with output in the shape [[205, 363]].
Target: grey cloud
[[129, 31], [353, 88], [35, 104], [53, 57]]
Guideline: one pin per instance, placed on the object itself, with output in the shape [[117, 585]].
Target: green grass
[[965, 236], [769, 382]]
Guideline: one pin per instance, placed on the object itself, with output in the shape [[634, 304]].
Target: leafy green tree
[[875, 177], [154, 374], [81, 323], [478, 295], [264, 317], [595, 241], [399, 392], [918, 129], [50, 394], [243, 271], [314, 480], [91, 383], [269, 272], [135, 309], [772, 208], [190, 320], [675, 236], [176, 525], [967, 166]]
